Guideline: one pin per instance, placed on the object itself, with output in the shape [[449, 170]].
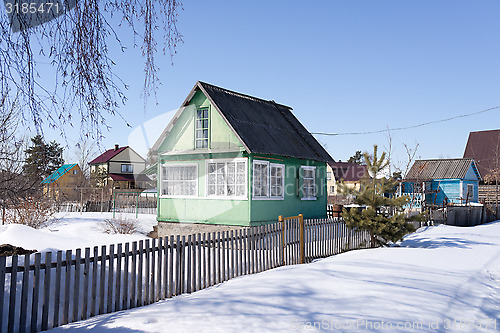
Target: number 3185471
[[31, 7]]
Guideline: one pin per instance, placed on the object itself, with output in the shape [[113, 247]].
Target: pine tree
[[383, 216], [42, 159], [356, 158]]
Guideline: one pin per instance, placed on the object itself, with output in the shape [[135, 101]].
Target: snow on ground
[[73, 230], [439, 279]]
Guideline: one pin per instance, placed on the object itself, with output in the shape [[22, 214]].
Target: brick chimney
[[116, 147]]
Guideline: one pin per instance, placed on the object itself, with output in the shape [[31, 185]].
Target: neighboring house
[[441, 182], [62, 183], [230, 158], [120, 168], [484, 148], [349, 174]]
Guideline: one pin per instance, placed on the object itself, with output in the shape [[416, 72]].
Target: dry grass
[[33, 212], [121, 225]]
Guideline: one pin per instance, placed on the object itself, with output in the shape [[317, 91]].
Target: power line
[[409, 127]]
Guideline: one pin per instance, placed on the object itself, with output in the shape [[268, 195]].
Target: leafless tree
[[75, 47], [410, 154], [84, 151], [493, 176], [13, 184], [389, 149]]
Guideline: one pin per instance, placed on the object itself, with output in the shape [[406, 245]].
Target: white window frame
[[282, 167], [225, 161], [269, 166], [255, 162], [315, 190], [179, 165], [472, 192], [127, 166], [196, 129]]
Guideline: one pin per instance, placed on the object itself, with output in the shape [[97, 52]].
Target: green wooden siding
[[182, 136], [203, 209], [292, 204]]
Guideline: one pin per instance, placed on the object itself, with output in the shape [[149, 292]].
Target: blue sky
[[343, 66]]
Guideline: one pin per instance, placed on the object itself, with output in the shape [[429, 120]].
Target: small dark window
[[127, 168], [470, 191]]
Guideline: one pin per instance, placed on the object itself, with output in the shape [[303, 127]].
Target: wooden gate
[[293, 236]]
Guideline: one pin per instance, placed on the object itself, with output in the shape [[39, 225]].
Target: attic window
[[201, 128]]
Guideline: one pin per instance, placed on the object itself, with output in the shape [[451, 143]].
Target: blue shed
[[442, 181]]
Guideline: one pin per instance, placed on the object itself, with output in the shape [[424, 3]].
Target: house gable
[[472, 173], [181, 136], [60, 173], [240, 121], [484, 148], [127, 157]]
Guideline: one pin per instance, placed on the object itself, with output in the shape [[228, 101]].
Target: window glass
[[127, 168], [201, 128], [268, 180], [309, 182], [179, 180], [260, 179], [277, 180], [226, 179], [470, 191]]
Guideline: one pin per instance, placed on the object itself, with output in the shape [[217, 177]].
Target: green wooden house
[[233, 159]]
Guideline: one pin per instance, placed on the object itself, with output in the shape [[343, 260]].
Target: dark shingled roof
[[264, 127], [455, 168], [484, 148], [349, 172], [107, 155]]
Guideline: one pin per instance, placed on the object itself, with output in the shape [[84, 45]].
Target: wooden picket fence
[[64, 287]]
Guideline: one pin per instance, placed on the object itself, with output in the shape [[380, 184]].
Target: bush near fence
[[70, 286]]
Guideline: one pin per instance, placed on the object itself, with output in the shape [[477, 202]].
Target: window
[[470, 191], [332, 189], [308, 182], [226, 178], [260, 179], [75, 172], [328, 176], [277, 180], [127, 168], [201, 132], [268, 180], [179, 180]]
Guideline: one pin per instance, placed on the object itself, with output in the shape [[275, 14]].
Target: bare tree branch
[[84, 89]]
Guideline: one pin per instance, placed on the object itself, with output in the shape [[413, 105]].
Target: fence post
[[280, 220], [137, 206], [102, 197], [302, 241]]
